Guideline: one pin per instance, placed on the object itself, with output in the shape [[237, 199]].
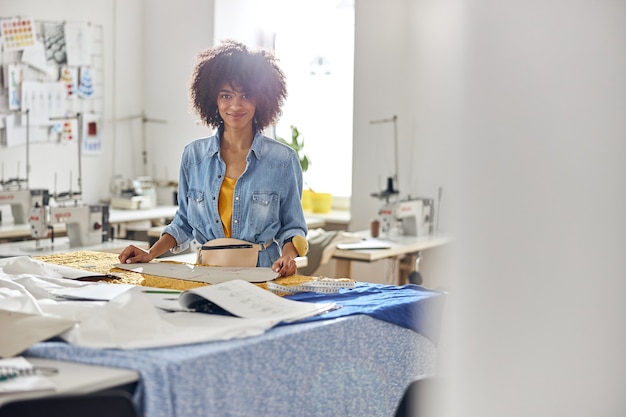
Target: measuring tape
[[323, 285]]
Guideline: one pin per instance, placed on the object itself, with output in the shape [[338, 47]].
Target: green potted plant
[[297, 144]]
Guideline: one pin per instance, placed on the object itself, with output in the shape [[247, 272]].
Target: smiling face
[[236, 107]]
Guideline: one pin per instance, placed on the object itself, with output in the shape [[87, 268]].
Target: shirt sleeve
[[293, 222], [179, 228]]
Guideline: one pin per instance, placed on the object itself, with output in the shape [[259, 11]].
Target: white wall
[[539, 170], [123, 68], [381, 90], [517, 110], [407, 62], [175, 31]]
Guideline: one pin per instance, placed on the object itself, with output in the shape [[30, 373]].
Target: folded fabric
[[409, 306]]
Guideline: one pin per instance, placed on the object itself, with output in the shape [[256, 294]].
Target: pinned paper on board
[[18, 133], [17, 33], [69, 77], [69, 131], [15, 129], [14, 79], [92, 139], [86, 83], [78, 43], [44, 100], [54, 41], [35, 56]]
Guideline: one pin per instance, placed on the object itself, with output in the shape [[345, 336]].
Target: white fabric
[[129, 320]]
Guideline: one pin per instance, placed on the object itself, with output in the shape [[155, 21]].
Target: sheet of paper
[[95, 292], [74, 273], [15, 130], [35, 56], [18, 33], [20, 330], [26, 265], [208, 274], [247, 300], [365, 244], [13, 80], [78, 43], [130, 321], [23, 383]]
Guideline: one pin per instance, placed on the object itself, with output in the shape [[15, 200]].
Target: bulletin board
[[52, 77]]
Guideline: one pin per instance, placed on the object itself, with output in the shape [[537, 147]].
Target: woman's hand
[[132, 254], [285, 266]]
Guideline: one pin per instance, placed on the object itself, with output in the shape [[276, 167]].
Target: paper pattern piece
[[18, 33], [208, 274], [20, 330], [246, 300]]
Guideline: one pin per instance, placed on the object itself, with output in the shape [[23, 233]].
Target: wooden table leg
[[343, 268]]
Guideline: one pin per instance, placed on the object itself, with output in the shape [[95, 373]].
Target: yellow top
[[225, 204]]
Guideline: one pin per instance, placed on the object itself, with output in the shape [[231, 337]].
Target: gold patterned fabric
[[102, 262]]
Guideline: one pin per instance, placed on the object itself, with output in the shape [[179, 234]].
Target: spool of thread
[[374, 228]]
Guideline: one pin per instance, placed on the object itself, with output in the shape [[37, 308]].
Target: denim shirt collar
[[257, 143]]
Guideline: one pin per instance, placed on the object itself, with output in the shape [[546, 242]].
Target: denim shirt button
[[235, 221]]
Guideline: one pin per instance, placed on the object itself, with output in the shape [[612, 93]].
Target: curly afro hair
[[254, 71]]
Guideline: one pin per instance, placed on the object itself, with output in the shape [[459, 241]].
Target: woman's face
[[236, 107]]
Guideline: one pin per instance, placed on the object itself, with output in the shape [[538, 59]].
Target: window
[[314, 41]]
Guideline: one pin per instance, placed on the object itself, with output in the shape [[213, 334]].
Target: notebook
[[365, 244]]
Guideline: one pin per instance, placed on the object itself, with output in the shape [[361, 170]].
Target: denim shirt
[[266, 200]]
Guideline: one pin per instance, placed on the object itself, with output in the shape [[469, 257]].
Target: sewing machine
[[21, 202], [85, 225], [414, 217], [139, 195]]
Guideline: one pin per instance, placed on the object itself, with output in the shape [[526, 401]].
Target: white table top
[[116, 216], [125, 216], [400, 245], [334, 216], [12, 231], [76, 378], [62, 244]]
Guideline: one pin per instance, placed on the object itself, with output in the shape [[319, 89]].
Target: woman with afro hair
[[237, 188]]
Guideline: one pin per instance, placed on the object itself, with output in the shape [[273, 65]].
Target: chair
[[104, 404], [420, 399]]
